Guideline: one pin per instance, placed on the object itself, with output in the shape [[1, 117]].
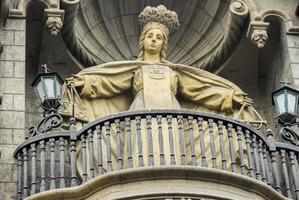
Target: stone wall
[[12, 110], [293, 49]]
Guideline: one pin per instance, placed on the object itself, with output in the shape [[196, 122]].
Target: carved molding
[[291, 28], [162, 181], [257, 32], [18, 9], [54, 20]]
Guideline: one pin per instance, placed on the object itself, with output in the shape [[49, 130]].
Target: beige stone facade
[[106, 31]]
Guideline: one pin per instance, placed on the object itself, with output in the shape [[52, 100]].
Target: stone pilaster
[[12, 110], [293, 51]]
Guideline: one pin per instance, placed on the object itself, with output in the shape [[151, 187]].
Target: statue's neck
[[151, 57]]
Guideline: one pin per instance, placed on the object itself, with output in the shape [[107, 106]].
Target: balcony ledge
[[166, 181]]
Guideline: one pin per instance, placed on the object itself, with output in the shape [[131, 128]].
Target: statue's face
[[153, 41]]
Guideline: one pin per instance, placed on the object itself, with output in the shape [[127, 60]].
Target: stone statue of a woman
[[151, 82]]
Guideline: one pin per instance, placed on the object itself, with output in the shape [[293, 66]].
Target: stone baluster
[[256, 158], [139, 141], [91, 154], [100, 150], [285, 173], [191, 140], [119, 144], [249, 154], [273, 153], [33, 169], [222, 146], [160, 139], [42, 166], [52, 163], [62, 162], [108, 145], [295, 175], [182, 140], [171, 144], [73, 152], [84, 158], [129, 142], [204, 162], [241, 150], [231, 147], [261, 158], [20, 169], [151, 161]]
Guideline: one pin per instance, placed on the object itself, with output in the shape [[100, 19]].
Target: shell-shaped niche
[[104, 31]]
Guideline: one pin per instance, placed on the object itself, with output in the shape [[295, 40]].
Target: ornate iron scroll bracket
[[48, 123], [289, 135], [257, 32], [54, 20]]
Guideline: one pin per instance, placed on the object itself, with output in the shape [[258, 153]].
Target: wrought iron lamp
[[286, 102], [48, 86]]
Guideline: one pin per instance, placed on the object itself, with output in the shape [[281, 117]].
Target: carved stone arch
[[259, 25], [274, 13], [19, 7]]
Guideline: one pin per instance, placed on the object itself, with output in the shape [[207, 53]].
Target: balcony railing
[[155, 138]]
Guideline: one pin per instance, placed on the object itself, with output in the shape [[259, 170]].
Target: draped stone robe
[[132, 85]]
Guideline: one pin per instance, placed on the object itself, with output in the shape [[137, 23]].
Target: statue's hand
[[75, 80], [242, 98]]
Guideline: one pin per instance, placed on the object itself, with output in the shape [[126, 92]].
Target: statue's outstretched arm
[[99, 86]]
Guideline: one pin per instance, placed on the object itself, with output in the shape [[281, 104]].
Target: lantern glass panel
[[50, 87], [280, 103], [40, 91], [58, 88], [291, 102]]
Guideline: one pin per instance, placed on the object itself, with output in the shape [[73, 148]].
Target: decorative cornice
[[257, 32], [54, 20], [197, 182]]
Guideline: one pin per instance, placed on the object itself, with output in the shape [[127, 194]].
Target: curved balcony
[[157, 142]]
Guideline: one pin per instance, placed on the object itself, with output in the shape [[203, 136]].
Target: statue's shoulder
[[114, 67]]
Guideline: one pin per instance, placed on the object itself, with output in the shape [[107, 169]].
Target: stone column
[[12, 110]]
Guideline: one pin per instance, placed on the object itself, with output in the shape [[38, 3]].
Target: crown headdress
[[159, 16]]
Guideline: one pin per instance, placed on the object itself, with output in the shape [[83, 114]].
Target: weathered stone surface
[[14, 172], [292, 41], [15, 24], [8, 191], [295, 70], [5, 172], [18, 136], [19, 69], [13, 85], [7, 102], [19, 102], [7, 154], [12, 119], [13, 53], [7, 38], [6, 136], [294, 55], [19, 38], [296, 82], [7, 68]]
